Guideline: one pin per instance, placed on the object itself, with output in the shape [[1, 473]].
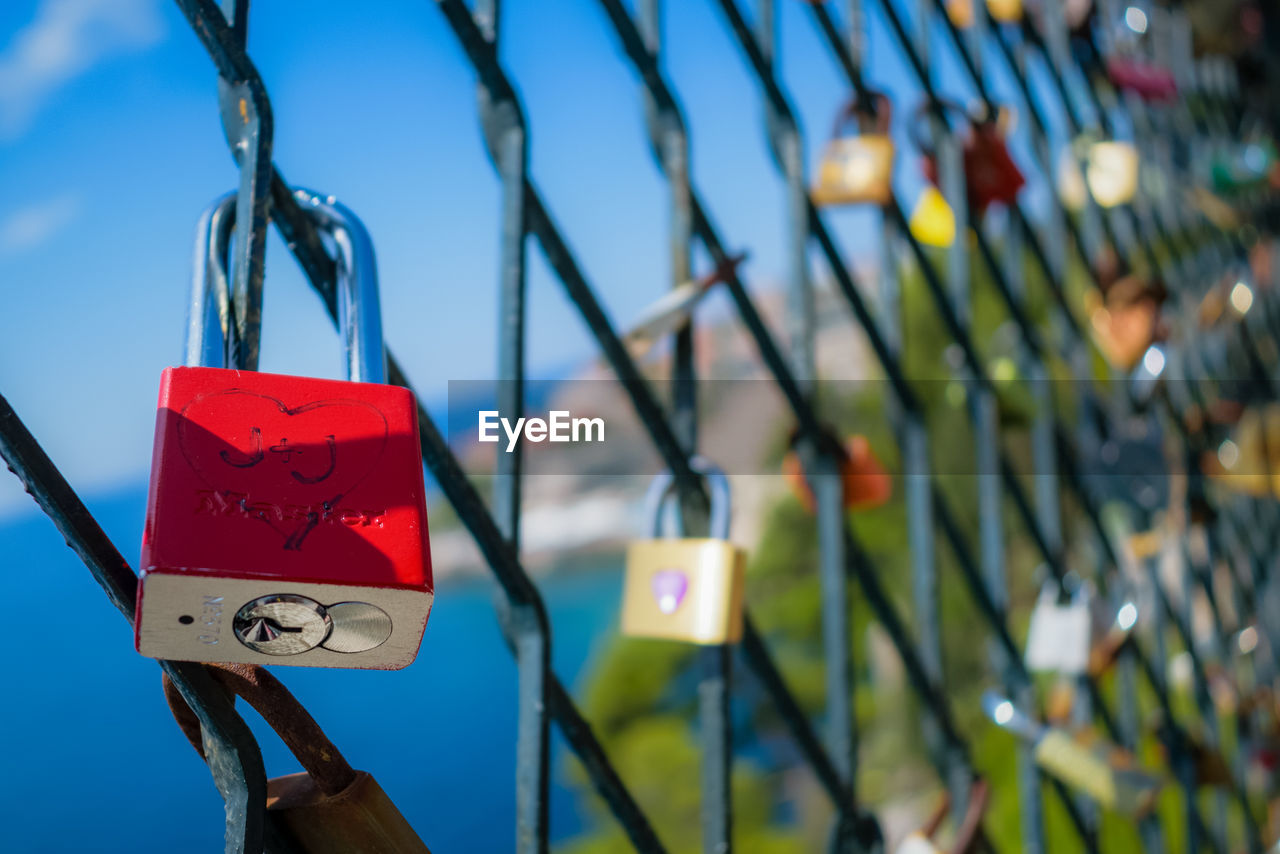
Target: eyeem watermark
[[561, 426]]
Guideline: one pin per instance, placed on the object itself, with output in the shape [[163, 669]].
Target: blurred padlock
[[1125, 320], [1005, 11], [1111, 172], [687, 589], [286, 518], [1095, 768], [863, 480], [961, 12], [1147, 81], [990, 173], [857, 164], [329, 808], [1242, 462], [1059, 633], [932, 222]]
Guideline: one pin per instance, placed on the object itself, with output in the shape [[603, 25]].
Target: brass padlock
[[1102, 771], [687, 589], [857, 168], [330, 808]]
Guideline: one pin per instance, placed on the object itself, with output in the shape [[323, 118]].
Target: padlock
[[990, 173], [1100, 770], [960, 12], [932, 222], [329, 808], [1124, 321], [1111, 172], [1059, 633], [286, 516], [857, 168], [1147, 81], [687, 589], [864, 482], [1103, 772], [1005, 11], [1242, 463]]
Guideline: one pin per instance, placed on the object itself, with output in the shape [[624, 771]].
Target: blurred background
[[110, 147]]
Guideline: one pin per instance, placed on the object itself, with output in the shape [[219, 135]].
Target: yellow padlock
[[1005, 11], [932, 220], [687, 589], [857, 168], [1095, 768], [1111, 172], [1098, 770]]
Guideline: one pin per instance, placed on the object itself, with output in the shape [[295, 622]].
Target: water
[[94, 762]]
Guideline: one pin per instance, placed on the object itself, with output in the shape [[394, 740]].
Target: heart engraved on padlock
[[286, 519], [300, 458], [686, 589]]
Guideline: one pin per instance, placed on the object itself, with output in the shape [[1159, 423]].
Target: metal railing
[[1173, 244]]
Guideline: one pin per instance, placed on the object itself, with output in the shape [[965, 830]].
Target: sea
[[93, 762]]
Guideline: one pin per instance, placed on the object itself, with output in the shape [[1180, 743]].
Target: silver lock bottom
[[192, 616], [288, 624]]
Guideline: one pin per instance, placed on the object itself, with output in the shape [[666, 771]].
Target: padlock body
[[684, 589], [266, 485], [360, 818], [856, 170]]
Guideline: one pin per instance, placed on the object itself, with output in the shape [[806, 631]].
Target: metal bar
[[504, 129], [230, 749], [246, 120]]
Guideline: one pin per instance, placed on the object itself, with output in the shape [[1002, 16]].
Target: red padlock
[[864, 482], [990, 173], [1147, 81], [286, 518]]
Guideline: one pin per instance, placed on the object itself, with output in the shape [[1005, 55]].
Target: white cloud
[[28, 227], [65, 39]]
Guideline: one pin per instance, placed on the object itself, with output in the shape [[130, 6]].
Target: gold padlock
[[857, 168], [686, 589], [1111, 171], [1005, 11], [1102, 771], [932, 222], [329, 808]]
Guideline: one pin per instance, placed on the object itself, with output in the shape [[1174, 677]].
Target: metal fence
[[1168, 241]]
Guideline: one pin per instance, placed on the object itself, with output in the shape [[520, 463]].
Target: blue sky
[[110, 146]]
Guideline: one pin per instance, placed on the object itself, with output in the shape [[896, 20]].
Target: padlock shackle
[[358, 305], [290, 720], [663, 487], [359, 308], [915, 128], [876, 106], [208, 313]]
